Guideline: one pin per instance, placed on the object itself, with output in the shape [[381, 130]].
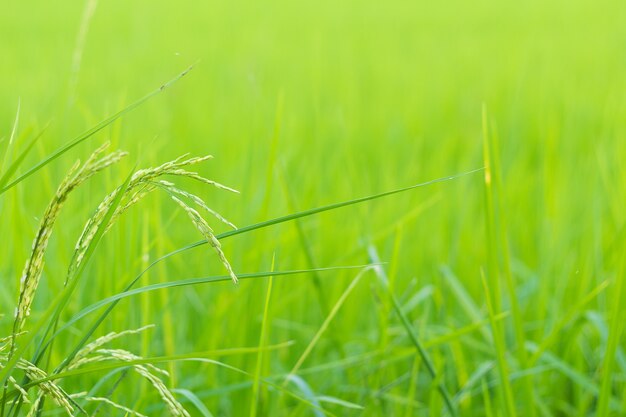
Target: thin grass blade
[[449, 404], [89, 133]]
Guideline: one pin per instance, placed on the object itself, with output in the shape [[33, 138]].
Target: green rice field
[[285, 276]]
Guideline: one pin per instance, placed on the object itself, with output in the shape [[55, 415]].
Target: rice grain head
[[142, 183], [31, 275]]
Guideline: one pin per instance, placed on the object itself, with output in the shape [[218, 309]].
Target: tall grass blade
[[615, 332], [262, 340], [499, 250], [9, 149], [335, 206], [327, 321], [500, 352]]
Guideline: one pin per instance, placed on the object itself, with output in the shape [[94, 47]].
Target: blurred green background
[[318, 102]]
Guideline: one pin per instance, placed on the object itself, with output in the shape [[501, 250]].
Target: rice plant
[[354, 284]]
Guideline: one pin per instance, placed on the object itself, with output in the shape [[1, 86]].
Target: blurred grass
[[358, 97]]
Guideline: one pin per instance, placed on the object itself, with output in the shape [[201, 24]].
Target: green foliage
[[308, 106]]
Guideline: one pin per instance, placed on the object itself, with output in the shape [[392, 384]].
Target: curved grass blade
[[306, 390], [340, 402], [307, 213], [194, 400], [112, 300], [88, 133], [335, 206]]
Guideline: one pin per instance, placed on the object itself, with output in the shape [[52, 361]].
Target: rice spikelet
[[148, 372], [142, 183], [47, 388], [113, 404], [101, 341]]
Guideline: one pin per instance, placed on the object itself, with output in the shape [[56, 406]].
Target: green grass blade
[[326, 323], [464, 299], [10, 171], [615, 333], [262, 341], [114, 299], [500, 352], [340, 402], [307, 391], [194, 400], [335, 206], [373, 254], [9, 149], [499, 251], [90, 132], [570, 371], [310, 212]]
